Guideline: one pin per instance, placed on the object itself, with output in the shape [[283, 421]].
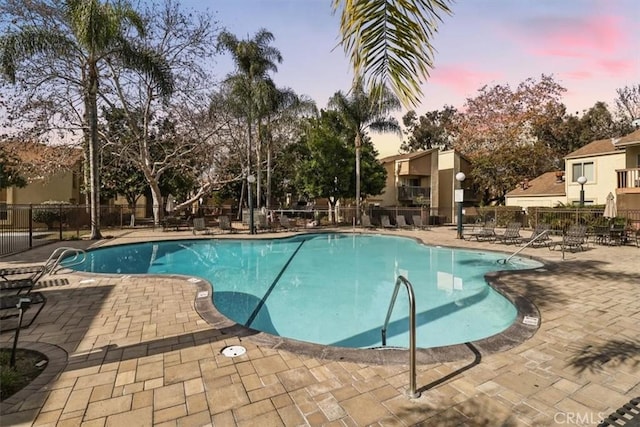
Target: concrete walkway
[[133, 351]]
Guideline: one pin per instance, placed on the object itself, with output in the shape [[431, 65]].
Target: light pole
[[251, 179], [459, 198], [582, 180]]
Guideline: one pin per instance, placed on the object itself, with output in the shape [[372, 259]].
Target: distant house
[[425, 178], [609, 165], [547, 190], [52, 173]]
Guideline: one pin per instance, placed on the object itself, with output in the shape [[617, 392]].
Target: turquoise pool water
[[333, 289]]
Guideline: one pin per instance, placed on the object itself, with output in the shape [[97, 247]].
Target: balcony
[[410, 193], [628, 181]]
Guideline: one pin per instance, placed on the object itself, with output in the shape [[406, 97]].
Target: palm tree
[[97, 34], [362, 111], [251, 84], [389, 41]]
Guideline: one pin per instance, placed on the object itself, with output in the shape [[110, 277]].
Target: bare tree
[[186, 41]]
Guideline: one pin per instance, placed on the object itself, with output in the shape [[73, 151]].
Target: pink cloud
[[461, 79], [578, 75], [593, 35], [620, 67]]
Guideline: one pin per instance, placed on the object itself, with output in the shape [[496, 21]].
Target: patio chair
[[574, 238], [261, 223], [288, 224], [511, 234], [225, 224], [417, 222], [385, 222], [14, 306], [539, 236], [200, 225], [486, 233], [402, 222], [28, 277], [365, 221]]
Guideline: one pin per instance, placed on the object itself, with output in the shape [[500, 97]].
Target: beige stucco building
[[53, 173], [609, 166], [425, 178]]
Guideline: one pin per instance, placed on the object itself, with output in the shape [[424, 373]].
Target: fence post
[[60, 222], [30, 226]]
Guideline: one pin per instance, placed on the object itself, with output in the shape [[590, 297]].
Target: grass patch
[[15, 379]]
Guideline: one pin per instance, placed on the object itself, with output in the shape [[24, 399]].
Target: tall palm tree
[[389, 41], [97, 34], [251, 84], [362, 111]]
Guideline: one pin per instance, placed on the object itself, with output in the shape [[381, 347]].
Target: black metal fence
[[25, 226]]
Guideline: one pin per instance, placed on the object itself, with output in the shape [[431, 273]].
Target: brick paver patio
[[133, 351]]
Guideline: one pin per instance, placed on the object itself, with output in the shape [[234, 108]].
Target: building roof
[[415, 155], [632, 139], [38, 161], [406, 156], [595, 148], [546, 184]]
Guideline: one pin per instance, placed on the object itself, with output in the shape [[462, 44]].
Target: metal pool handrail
[[79, 256], [506, 260], [412, 331]]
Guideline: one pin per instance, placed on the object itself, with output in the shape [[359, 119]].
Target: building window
[[585, 169]]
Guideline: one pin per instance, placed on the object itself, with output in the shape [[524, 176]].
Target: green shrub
[[50, 216]]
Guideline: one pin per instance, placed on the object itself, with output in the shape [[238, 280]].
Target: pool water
[[333, 289]]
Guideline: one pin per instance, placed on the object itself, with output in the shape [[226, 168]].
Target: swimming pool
[[333, 289]]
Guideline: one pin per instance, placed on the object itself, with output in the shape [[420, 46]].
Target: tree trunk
[[92, 116], [268, 175], [332, 209], [156, 197], [358, 148], [258, 201]]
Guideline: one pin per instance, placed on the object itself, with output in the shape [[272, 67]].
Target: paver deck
[[133, 351]]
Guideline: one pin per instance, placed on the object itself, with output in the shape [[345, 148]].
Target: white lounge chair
[[402, 222], [385, 222], [417, 222]]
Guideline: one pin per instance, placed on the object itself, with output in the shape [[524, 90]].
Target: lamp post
[[251, 179], [582, 180], [459, 198]]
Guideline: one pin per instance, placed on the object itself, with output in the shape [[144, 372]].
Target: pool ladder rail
[[77, 256], [530, 242], [412, 331]]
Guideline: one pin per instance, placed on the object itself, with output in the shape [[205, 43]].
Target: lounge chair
[[14, 306], [365, 221], [385, 222], [26, 280], [402, 222], [261, 222], [417, 222], [539, 236], [200, 225], [288, 224], [486, 233], [511, 234], [575, 238], [225, 224]]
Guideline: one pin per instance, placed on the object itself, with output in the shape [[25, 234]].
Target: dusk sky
[[591, 47]]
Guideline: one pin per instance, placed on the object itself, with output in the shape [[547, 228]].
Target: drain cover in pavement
[[234, 350]]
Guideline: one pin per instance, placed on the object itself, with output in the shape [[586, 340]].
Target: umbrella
[[170, 201], [610, 210]]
